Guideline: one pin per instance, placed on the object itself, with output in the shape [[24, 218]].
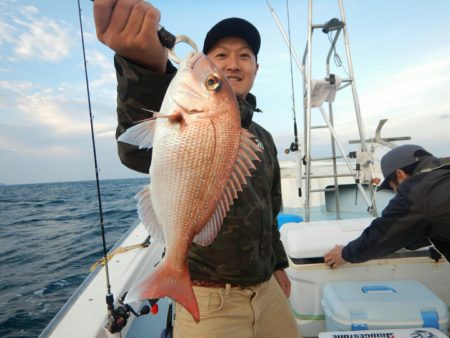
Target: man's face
[[393, 185], [236, 60], [400, 176]]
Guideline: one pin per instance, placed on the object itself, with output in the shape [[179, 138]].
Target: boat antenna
[[294, 145]]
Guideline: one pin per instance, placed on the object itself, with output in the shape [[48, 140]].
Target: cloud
[[59, 111], [33, 36], [419, 88], [11, 144], [16, 86], [51, 111], [102, 67], [99, 59], [6, 32], [62, 110], [44, 39], [29, 11], [59, 114], [108, 133]]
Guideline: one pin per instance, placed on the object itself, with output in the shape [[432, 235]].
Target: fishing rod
[[97, 180], [117, 316], [294, 145]]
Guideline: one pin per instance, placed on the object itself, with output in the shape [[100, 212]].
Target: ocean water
[[49, 237]]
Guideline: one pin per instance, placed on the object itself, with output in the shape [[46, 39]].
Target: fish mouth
[[193, 60], [186, 90]]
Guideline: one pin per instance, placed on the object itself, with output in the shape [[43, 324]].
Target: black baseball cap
[[398, 158], [235, 27]]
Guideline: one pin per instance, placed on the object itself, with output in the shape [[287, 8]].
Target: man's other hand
[[333, 258], [284, 281]]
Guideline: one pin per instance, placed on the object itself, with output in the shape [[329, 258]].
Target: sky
[[401, 61]]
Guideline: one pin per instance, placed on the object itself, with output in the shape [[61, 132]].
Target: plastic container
[[397, 333], [353, 306], [288, 218], [305, 245]]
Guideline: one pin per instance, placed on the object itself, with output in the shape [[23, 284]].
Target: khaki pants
[[261, 311]]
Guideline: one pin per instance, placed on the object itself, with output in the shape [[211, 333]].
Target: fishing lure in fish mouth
[[179, 38], [169, 41]]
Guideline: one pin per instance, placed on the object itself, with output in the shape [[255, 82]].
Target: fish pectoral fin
[[147, 214], [154, 114], [177, 116], [248, 152], [141, 134]]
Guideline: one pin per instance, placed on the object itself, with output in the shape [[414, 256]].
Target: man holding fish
[[215, 180]]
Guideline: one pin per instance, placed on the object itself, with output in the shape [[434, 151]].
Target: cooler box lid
[[379, 304], [314, 239]]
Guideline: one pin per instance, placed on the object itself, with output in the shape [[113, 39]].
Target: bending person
[[418, 215]]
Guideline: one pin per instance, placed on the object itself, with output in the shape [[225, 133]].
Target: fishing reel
[[118, 316], [292, 148]]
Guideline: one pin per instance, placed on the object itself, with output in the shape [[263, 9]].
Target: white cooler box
[[353, 306], [305, 245]]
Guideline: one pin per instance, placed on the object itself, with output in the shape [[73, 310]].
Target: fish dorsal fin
[[140, 135], [147, 214], [248, 152]]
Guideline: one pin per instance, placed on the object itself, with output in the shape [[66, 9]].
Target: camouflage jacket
[[248, 248]]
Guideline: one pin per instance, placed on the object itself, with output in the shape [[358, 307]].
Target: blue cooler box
[[351, 306]]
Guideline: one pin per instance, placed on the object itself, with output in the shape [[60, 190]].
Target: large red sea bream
[[201, 159]]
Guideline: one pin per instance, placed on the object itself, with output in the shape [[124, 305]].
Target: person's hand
[[130, 27], [376, 181], [284, 281], [333, 258]]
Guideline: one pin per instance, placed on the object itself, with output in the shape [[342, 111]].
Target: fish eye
[[213, 82]]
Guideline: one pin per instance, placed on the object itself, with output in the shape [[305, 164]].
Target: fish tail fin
[[166, 281]]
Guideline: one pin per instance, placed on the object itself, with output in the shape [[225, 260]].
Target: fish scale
[[171, 178]]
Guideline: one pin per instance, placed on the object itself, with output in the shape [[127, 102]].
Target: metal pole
[[362, 136], [308, 116], [353, 83], [285, 37]]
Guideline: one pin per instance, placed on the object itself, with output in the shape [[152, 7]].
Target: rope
[[102, 261]]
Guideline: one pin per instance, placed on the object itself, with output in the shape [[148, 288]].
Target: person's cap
[[398, 158], [233, 27]]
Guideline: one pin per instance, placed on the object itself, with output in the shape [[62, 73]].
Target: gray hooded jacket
[[418, 215]]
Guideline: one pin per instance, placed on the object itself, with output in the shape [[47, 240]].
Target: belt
[[211, 284]]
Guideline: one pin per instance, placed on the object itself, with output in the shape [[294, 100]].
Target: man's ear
[[401, 175]]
